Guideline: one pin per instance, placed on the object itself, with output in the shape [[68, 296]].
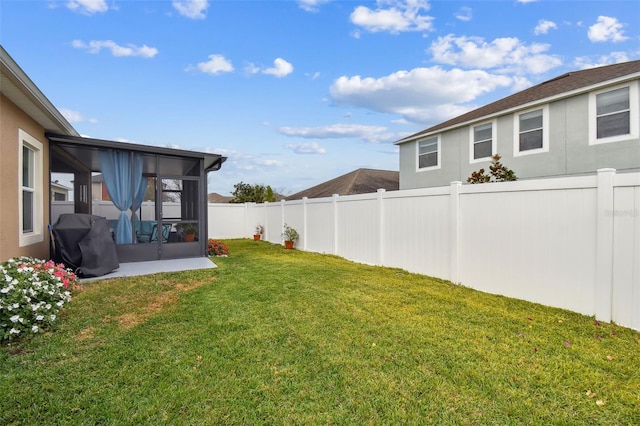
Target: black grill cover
[[83, 242]]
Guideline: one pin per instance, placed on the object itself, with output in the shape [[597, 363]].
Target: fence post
[[335, 223], [454, 229], [304, 223], [282, 221], [604, 245], [264, 221], [381, 192], [246, 220]]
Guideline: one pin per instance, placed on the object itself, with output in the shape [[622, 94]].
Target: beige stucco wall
[[12, 119]]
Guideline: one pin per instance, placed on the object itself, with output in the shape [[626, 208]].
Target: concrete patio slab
[[133, 269]]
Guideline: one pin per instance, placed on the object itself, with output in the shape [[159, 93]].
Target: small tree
[[498, 173], [247, 193]]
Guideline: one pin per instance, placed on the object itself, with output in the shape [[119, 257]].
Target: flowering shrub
[[499, 173], [217, 248], [32, 292]]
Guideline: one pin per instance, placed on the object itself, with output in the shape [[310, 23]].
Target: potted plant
[[188, 231], [290, 236], [257, 233]]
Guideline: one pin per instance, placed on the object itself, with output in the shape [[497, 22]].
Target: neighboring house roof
[[19, 89], [360, 181], [57, 185], [217, 198], [567, 84]]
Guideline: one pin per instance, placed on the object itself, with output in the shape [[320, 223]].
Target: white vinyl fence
[[571, 242]]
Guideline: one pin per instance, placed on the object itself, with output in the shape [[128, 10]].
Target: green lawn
[[275, 336]]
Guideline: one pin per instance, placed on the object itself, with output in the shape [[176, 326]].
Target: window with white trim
[[429, 153], [531, 132], [613, 114], [30, 190], [482, 142]]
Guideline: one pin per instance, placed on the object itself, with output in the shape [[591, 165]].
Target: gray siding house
[[573, 124]]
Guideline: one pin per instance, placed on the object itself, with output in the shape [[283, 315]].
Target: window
[[429, 153], [31, 189], [613, 114], [28, 188], [482, 143], [531, 132]]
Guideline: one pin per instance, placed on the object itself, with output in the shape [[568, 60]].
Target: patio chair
[[152, 236], [166, 230]]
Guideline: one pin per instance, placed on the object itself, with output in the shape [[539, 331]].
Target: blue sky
[[295, 93]]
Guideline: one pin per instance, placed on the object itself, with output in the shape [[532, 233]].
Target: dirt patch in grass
[[158, 303], [85, 334]]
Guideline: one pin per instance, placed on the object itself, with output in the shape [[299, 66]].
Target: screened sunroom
[[154, 198]]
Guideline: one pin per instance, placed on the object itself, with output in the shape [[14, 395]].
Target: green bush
[[32, 292], [498, 173]]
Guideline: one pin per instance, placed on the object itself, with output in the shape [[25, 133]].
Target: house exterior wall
[[13, 119], [569, 151]]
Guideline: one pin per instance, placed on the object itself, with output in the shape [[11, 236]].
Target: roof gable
[[557, 86]]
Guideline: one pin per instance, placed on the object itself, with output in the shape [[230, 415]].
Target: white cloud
[[520, 83], [193, 9], [584, 62], [526, 1], [464, 14], [306, 148], [95, 46], [251, 69], [420, 95], [332, 131], [75, 116], [280, 68], [606, 29], [506, 54], [544, 26], [241, 161], [311, 5], [368, 134], [215, 65], [394, 16], [269, 162], [87, 7]]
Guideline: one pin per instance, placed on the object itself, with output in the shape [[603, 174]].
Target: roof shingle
[[360, 181]]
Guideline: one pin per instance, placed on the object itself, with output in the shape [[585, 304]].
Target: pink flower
[[567, 343]]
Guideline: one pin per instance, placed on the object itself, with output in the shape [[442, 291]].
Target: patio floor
[[153, 267]]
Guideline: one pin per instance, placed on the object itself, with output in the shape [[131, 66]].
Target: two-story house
[[573, 124]]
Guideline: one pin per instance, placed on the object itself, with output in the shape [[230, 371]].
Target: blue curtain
[[140, 183], [117, 174]]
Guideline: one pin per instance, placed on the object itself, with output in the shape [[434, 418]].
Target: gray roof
[[360, 181], [570, 82], [214, 197]]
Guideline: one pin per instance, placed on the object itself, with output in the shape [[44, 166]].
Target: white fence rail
[[571, 242]]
